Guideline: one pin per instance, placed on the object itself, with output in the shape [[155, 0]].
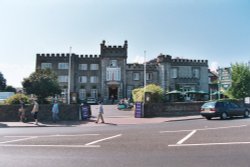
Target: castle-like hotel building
[[109, 75]]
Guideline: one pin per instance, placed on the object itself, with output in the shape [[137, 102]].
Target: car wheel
[[224, 116], [246, 114], [208, 118]]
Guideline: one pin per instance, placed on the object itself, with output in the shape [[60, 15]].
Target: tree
[[42, 83], [15, 99], [2, 82], [10, 89], [240, 81], [155, 91]]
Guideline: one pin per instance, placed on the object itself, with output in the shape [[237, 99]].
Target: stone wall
[[9, 113], [172, 109]]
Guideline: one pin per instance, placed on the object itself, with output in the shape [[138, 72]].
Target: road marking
[[207, 144], [97, 141], [10, 141], [186, 137], [58, 135], [88, 145], [65, 146], [203, 129]]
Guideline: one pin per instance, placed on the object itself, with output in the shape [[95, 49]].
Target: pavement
[[109, 120], [112, 116]]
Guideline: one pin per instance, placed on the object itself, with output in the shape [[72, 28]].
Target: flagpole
[[69, 76], [145, 75]]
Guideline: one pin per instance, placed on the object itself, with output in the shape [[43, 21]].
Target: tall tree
[[10, 89], [42, 83], [240, 81], [2, 82]]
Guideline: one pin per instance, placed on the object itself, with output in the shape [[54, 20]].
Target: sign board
[[85, 112], [225, 78], [138, 110]]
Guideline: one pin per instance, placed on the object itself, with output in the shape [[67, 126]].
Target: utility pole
[[145, 77]]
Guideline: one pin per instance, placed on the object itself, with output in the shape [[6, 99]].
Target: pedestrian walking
[[100, 113], [55, 111], [21, 111], [35, 110]]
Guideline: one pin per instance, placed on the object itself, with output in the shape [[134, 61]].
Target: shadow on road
[[3, 125], [110, 124]]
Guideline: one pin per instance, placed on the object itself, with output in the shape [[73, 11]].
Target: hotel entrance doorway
[[113, 93]]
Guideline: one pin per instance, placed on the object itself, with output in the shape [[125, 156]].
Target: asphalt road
[[192, 143]]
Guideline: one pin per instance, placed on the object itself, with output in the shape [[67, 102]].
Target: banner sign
[[138, 110]]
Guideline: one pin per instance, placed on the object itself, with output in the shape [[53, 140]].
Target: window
[[46, 65], [113, 63], [149, 76], [174, 73], [113, 74], [83, 66], [94, 67], [196, 73], [233, 105], [82, 94], [136, 76], [94, 93], [83, 79], [63, 78], [93, 79], [63, 66]]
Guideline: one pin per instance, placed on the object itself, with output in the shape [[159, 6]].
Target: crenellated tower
[[113, 67]]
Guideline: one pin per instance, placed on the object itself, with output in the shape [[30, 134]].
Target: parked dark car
[[223, 109]]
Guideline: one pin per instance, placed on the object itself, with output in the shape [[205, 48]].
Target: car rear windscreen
[[208, 105]]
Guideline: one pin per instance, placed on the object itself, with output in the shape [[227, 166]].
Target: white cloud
[[214, 66], [137, 59]]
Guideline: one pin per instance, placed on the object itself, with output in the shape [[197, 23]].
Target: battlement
[[179, 60], [89, 56], [107, 50], [64, 55], [164, 58], [54, 55]]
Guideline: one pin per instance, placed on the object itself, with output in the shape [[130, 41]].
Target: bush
[[15, 99], [155, 91]]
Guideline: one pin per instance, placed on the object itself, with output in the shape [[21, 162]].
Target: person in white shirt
[[100, 115]]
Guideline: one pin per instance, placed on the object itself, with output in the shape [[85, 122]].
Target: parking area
[[224, 135], [58, 141]]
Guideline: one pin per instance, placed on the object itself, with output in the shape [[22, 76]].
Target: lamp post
[[69, 76]]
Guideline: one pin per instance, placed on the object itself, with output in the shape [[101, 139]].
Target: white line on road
[[207, 144], [186, 137], [66, 146], [59, 135], [10, 141], [204, 129], [97, 141]]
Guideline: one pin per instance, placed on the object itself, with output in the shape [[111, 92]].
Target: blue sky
[[213, 30]]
